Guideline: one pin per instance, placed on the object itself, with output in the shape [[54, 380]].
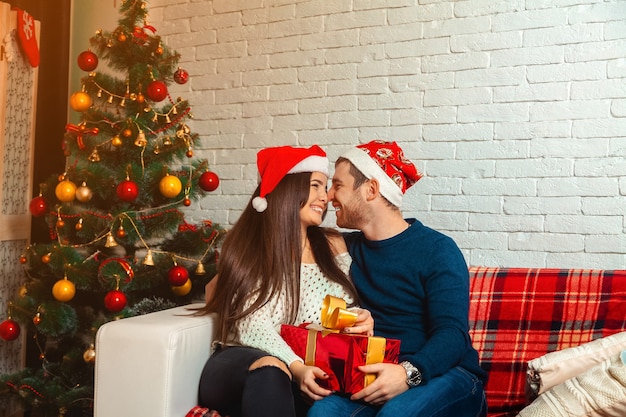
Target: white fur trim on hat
[[364, 163], [313, 163]]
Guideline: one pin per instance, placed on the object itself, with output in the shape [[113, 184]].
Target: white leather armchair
[[150, 365]]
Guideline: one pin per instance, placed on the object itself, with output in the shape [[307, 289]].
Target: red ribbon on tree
[[80, 131], [186, 227], [121, 262], [140, 34]]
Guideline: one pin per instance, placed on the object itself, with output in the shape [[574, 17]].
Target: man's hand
[[390, 381], [305, 376], [364, 323]]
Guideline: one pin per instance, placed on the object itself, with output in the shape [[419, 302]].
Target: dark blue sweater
[[416, 285]]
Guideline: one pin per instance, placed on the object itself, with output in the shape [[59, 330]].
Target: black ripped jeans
[[226, 385]]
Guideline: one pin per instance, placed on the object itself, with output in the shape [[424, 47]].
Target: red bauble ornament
[[178, 275], [209, 181], [115, 301], [156, 91], [9, 330], [181, 76], [127, 190], [38, 206], [87, 61]]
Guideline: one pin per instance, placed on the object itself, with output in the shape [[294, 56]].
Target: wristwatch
[[413, 375]]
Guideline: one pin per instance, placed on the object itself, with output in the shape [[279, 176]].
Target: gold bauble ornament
[[80, 101], [116, 141], [170, 186], [89, 356], [182, 290], [65, 191], [64, 290]]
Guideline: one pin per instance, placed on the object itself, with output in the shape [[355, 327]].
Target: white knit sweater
[[262, 328]]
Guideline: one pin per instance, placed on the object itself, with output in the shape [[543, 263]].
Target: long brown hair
[[261, 256]]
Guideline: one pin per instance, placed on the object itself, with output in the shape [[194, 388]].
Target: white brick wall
[[514, 110]]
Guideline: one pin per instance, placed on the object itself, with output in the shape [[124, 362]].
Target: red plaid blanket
[[198, 411], [518, 314]]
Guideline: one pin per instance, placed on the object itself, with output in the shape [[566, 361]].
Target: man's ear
[[372, 189]]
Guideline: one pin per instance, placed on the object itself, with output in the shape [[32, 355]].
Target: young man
[[415, 282]]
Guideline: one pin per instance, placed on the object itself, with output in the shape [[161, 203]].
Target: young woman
[[276, 266]]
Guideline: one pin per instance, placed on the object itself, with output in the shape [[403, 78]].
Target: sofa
[[150, 365]]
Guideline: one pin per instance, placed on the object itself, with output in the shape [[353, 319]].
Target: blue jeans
[[457, 393]]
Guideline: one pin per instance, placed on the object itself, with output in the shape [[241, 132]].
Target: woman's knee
[[270, 361]]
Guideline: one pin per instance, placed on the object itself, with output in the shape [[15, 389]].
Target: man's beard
[[352, 214]]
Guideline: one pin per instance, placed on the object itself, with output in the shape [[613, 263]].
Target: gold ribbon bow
[[335, 315]]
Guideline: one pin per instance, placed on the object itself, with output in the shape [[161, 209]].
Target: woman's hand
[[364, 323], [305, 376]]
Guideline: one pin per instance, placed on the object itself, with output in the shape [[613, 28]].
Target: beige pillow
[[556, 367], [598, 392]]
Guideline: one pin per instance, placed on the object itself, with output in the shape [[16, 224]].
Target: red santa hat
[[275, 163], [385, 162]]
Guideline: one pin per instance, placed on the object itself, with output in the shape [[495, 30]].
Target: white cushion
[[598, 392], [150, 365], [556, 367]]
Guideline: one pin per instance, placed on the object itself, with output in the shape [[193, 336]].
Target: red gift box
[[340, 354]]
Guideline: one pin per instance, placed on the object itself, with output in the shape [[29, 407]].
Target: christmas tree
[[120, 245]]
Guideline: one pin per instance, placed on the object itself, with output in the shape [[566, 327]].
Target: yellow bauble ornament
[[80, 101], [89, 355], [182, 289], [65, 191], [116, 141], [170, 186], [64, 290]]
